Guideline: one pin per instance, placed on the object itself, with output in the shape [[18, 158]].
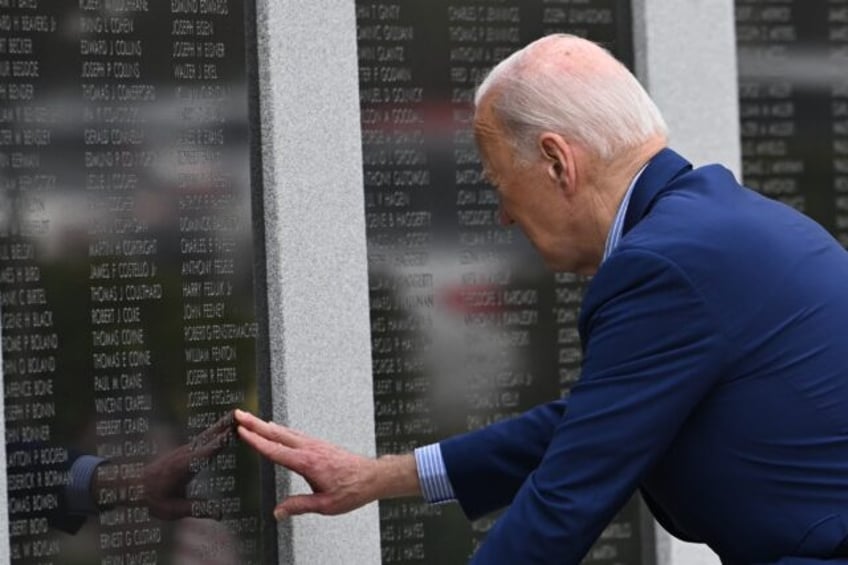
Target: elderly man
[[715, 370]]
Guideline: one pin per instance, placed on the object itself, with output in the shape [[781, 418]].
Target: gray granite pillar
[[686, 57], [317, 270]]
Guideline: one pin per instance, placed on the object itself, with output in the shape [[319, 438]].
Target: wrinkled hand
[[165, 478], [341, 481]]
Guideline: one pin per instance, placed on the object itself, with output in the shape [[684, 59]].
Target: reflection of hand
[[341, 481], [165, 478]]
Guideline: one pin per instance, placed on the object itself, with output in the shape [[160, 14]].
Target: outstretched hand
[[341, 481]]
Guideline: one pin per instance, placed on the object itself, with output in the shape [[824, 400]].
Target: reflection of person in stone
[[715, 367], [161, 485]]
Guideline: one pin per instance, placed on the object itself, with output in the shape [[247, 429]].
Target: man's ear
[[556, 151]]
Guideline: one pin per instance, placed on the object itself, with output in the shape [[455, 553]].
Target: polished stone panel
[[132, 281], [793, 103]]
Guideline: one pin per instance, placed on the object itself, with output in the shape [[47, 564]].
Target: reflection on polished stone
[[793, 105], [126, 271]]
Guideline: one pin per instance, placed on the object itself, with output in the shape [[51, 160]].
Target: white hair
[[606, 112]]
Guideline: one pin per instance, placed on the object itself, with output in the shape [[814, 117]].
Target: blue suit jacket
[[715, 379]]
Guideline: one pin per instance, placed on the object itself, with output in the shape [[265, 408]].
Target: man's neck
[[610, 189], [625, 169]]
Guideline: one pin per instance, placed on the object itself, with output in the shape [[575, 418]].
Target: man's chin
[[558, 265]]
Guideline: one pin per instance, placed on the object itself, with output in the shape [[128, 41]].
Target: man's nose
[[505, 219]]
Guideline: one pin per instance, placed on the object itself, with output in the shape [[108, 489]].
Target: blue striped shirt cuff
[[433, 475], [78, 491]]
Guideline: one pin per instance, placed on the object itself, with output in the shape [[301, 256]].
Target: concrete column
[[316, 256], [686, 57]]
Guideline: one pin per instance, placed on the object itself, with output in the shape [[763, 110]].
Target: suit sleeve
[[653, 351], [486, 467], [63, 517]]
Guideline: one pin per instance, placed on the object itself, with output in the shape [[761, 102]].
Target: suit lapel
[[662, 169]]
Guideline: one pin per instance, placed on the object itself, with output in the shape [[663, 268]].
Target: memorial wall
[[467, 325], [132, 281], [132, 262], [793, 103]]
